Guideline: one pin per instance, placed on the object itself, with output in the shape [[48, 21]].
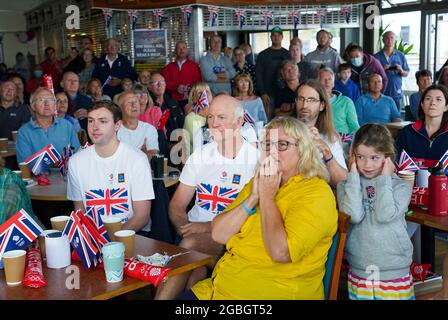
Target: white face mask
[[357, 62]]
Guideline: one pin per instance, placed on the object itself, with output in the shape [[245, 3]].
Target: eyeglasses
[[43, 100], [309, 100], [64, 101], [281, 145], [158, 82]]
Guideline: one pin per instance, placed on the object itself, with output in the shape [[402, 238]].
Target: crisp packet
[[420, 271], [157, 259], [145, 272], [419, 196], [34, 277]]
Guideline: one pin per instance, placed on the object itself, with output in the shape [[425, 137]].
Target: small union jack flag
[[18, 232], [202, 102], [97, 221], [444, 162], [248, 118], [80, 241], [107, 202], [214, 198], [241, 17], [267, 17], [406, 163], [295, 18], [346, 137], [213, 11], [43, 159], [320, 15], [186, 12], [133, 15], [63, 164], [159, 13], [98, 239]]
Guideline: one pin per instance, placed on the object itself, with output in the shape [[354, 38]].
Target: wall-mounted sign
[[150, 49]]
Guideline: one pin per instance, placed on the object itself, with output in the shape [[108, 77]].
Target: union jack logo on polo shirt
[[214, 198], [107, 201]]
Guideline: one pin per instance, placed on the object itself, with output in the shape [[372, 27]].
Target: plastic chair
[[334, 260]]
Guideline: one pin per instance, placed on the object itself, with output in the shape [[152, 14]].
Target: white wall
[[10, 23]]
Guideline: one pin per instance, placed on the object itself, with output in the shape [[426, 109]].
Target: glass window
[[394, 3], [438, 46], [406, 26]]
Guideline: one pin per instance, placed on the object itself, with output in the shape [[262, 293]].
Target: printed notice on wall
[[150, 49]]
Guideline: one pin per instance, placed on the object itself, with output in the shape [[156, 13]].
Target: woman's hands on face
[[269, 178]]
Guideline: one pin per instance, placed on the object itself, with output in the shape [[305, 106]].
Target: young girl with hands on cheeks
[[378, 247]]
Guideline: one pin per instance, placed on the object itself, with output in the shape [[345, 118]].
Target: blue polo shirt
[[369, 110], [394, 85], [32, 138]]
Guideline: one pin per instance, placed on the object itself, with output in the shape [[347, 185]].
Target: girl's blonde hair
[[243, 76], [310, 164], [376, 136], [195, 93]]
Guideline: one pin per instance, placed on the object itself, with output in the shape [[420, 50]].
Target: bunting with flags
[[295, 18], [108, 13], [241, 17], [321, 15], [186, 14], [346, 13], [159, 14], [213, 11], [267, 18], [133, 16]]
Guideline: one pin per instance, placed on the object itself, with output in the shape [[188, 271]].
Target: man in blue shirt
[[396, 67], [374, 107], [79, 103], [44, 128]]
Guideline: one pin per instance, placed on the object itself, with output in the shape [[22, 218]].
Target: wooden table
[[93, 284], [11, 150], [429, 224], [57, 190]]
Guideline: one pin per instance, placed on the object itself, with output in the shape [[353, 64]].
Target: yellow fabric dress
[[246, 271]]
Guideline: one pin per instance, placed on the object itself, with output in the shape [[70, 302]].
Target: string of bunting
[[241, 15]]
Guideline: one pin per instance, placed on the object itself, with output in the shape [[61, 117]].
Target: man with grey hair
[[112, 67], [44, 128], [12, 113], [216, 68], [344, 112], [214, 174]]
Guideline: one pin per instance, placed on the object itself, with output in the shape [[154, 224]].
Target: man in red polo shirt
[[181, 74]]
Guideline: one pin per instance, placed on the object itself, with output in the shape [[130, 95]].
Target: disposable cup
[[408, 176], [113, 258], [59, 222], [42, 242], [3, 144], [14, 264], [26, 172], [127, 237], [422, 178], [112, 224], [14, 135]]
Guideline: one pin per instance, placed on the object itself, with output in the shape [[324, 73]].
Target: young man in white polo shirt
[[111, 176], [214, 175]]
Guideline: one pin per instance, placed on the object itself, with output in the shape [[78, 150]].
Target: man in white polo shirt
[[214, 175], [111, 176]]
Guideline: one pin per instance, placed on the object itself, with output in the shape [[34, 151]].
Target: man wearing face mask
[[36, 79], [363, 66]]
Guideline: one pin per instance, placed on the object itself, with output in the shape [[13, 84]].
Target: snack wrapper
[[139, 270], [34, 277], [145, 272], [42, 180], [420, 271], [419, 196]]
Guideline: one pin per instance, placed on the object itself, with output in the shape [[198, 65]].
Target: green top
[[344, 113], [13, 196]]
